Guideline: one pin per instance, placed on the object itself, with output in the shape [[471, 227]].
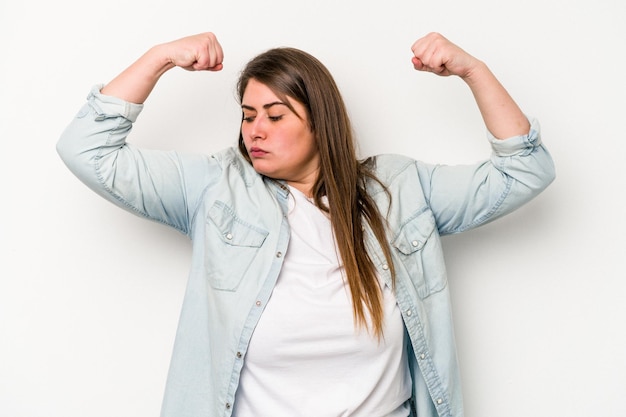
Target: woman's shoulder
[[388, 166], [230, 159]]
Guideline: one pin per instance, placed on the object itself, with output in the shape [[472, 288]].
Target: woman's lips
[[257, 152]]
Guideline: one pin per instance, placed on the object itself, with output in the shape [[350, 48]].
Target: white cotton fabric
[[306, 357]]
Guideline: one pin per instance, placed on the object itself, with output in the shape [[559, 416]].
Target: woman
[[317, 286]]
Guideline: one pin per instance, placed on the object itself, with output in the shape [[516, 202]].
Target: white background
[[90, 295]]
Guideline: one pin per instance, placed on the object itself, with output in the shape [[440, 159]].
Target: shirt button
[[409, 312], [279, 254], [229, 236], [238, 355], [258, 303], [415, 243], [439, 401], [385, 267], [227, 406], [422, 356]]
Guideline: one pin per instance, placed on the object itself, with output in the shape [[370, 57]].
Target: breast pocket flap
[[234, 231], [415, 233]]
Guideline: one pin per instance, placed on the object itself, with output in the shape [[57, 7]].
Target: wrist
[[158, 61], [477, 73]]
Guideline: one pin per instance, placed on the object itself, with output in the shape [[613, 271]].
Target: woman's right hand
[[201, 52], [195, 53]]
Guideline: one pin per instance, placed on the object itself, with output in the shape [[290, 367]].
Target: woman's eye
[[247, 119], [275, 118]]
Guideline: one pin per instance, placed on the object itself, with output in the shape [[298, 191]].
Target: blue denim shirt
[[237, 221]]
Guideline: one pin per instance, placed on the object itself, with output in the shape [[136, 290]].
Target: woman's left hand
[[436, 54]]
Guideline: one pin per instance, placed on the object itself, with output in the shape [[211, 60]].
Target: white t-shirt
[[306, 356]]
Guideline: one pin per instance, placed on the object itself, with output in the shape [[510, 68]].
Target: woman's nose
[[258, 128]]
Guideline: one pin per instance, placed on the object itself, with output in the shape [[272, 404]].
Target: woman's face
[[279, 142]]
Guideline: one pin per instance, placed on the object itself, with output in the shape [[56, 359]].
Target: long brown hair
[[292, 73]]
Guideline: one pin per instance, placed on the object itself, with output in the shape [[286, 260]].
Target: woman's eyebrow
[[265, 106]]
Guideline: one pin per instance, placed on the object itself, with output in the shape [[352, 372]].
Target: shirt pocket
[[419, 249], [231, 247]]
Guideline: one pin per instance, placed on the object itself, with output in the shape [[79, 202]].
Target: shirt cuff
[[517, 145], [110, 107]]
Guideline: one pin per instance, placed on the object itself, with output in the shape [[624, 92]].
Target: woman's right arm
[[200, 52], [162, 186]]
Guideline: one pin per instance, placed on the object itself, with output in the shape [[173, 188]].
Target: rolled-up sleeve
[[159, 185], [465, 196]]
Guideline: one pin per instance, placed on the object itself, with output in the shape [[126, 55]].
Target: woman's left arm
[[502, 117], [465, 196]]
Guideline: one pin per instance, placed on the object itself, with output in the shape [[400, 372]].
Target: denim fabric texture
[[237, 222]]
